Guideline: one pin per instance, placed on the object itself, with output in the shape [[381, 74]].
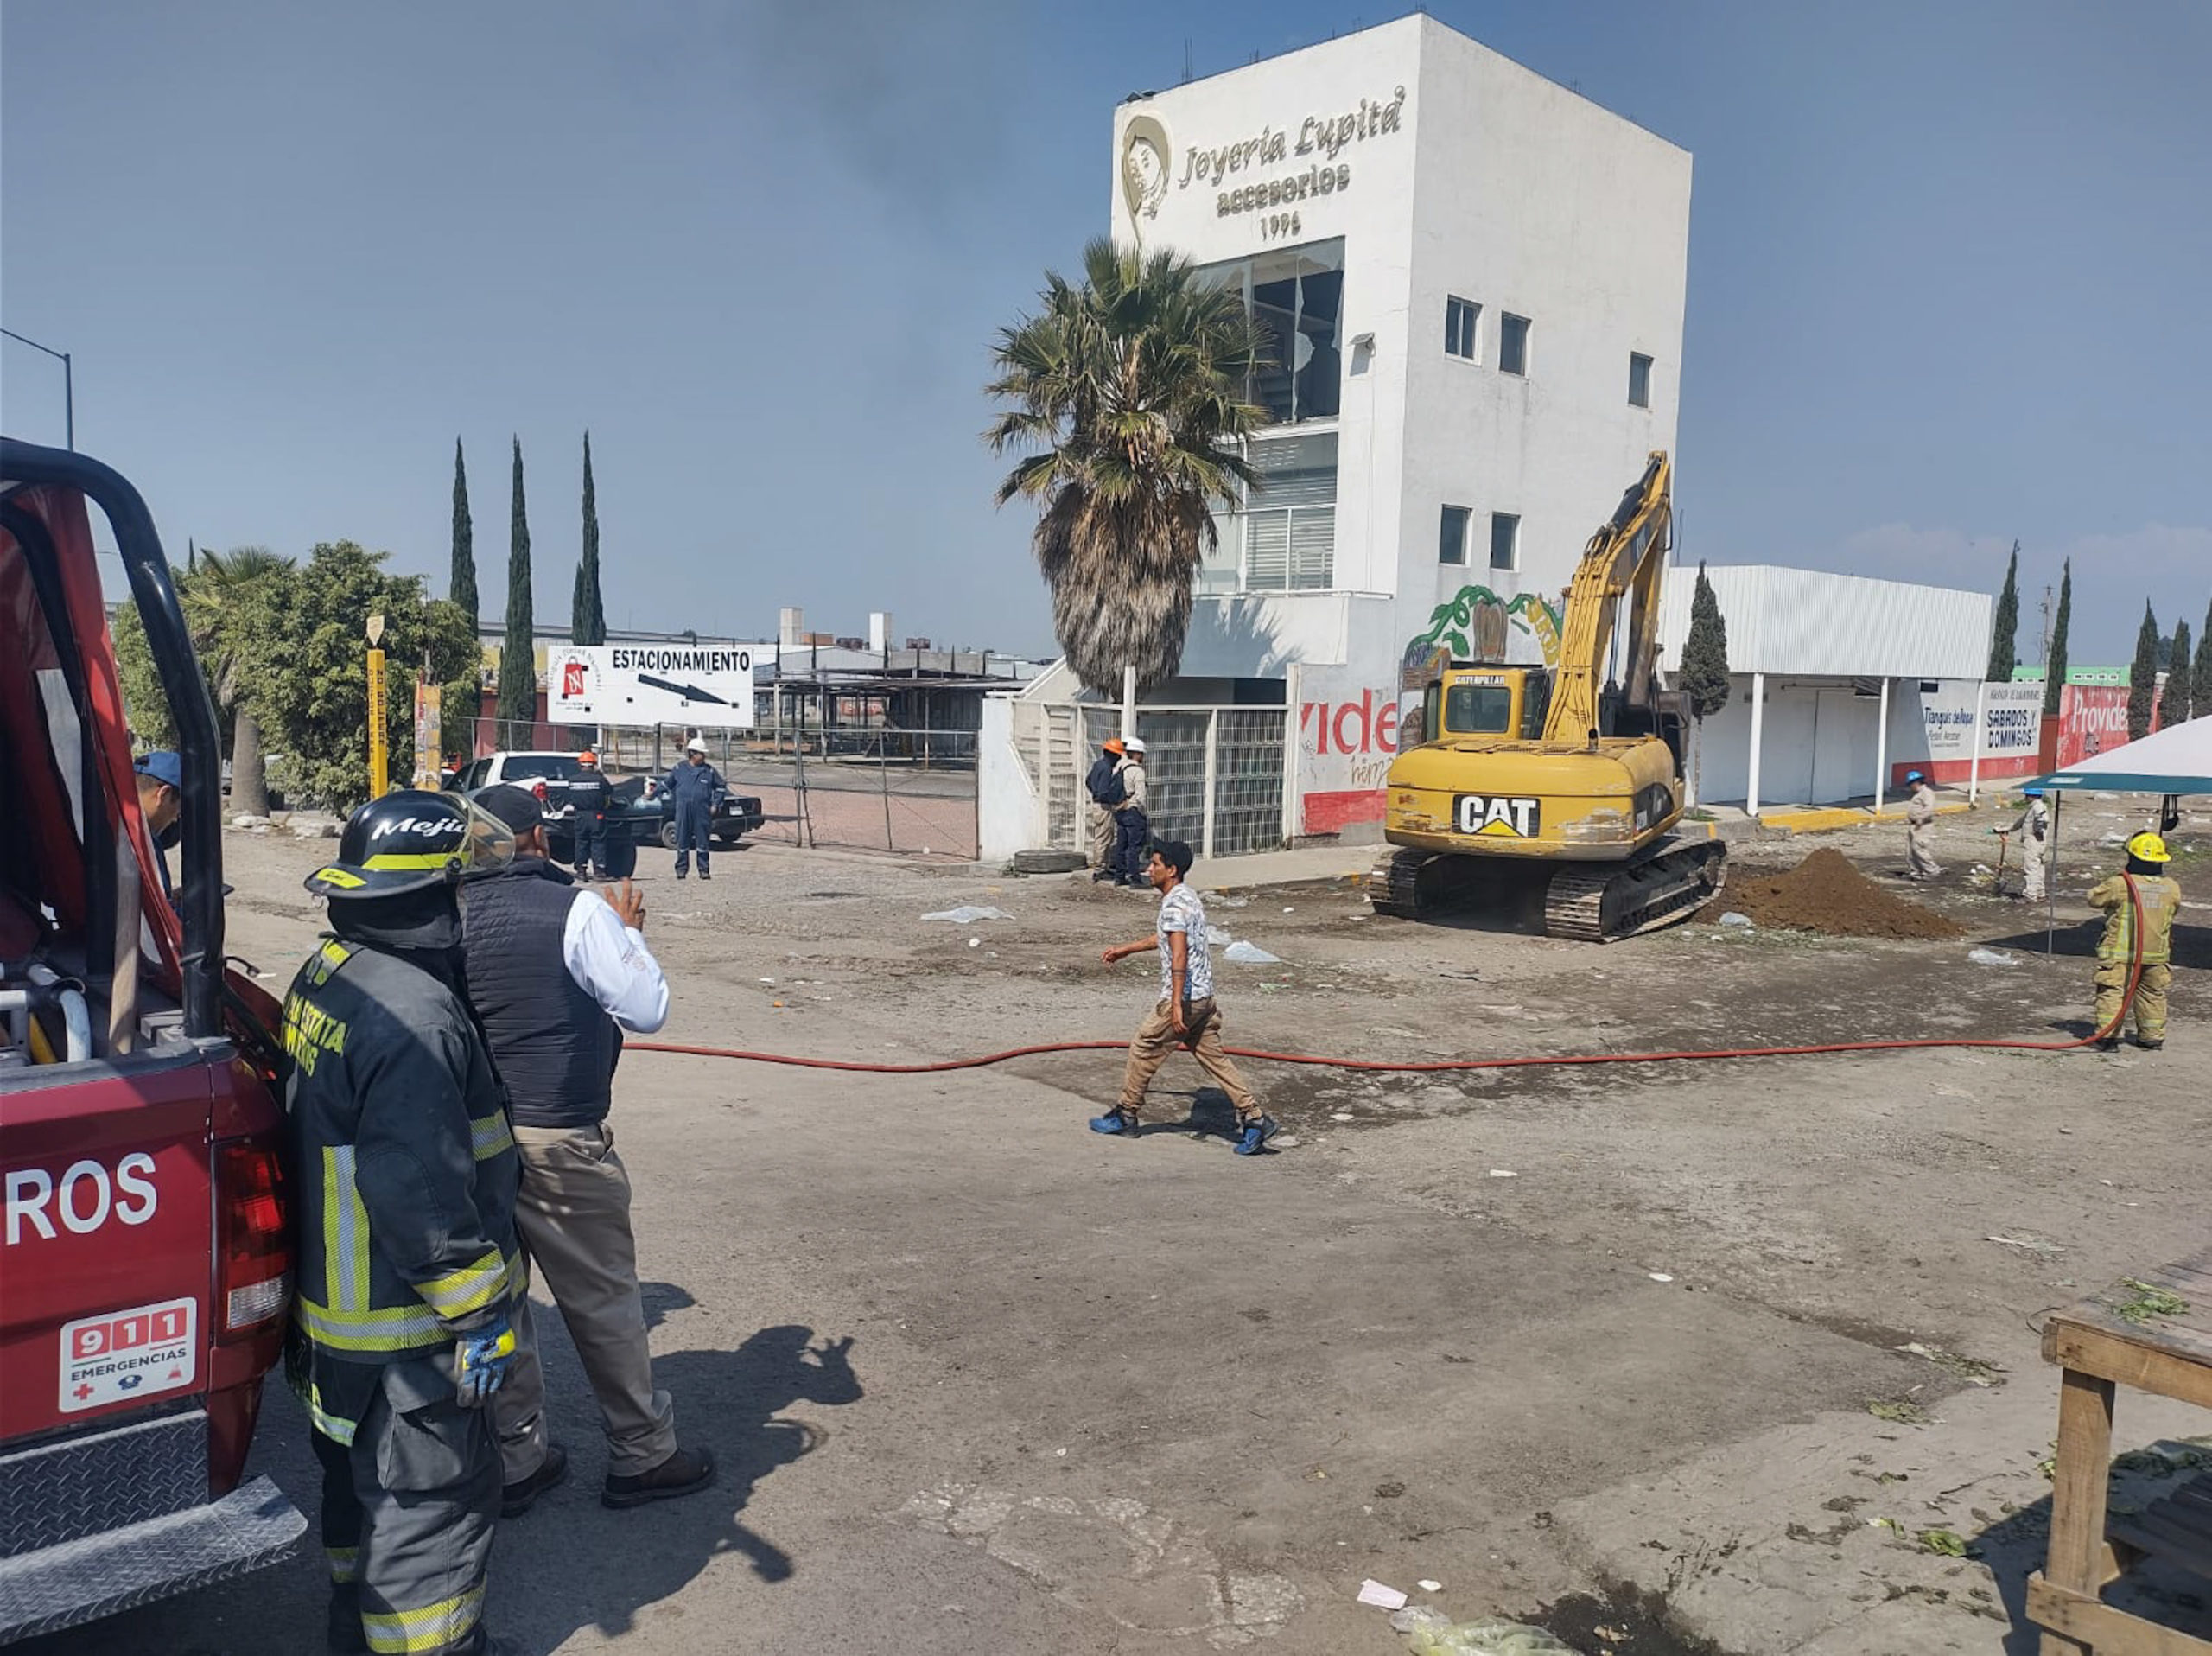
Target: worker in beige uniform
[[2033, 831], [1132, 821], [1919, 830], [1103, 784], [2143, 883]]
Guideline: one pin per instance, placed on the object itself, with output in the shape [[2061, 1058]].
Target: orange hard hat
[[588, 757], [1112, 745]]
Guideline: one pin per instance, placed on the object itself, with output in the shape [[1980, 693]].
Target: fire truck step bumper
[[117, 1570]]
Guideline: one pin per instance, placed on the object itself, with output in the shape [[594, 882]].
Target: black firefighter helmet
[[411, 840]]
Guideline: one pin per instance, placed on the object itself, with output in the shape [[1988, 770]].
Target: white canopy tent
[[2177, 760]]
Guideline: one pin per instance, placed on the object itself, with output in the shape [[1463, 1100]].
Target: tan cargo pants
[[1156, 1037], [573, 1215], [2150, 997], [1102, 836]]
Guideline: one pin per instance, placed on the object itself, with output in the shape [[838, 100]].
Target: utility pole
[[2042, 653], [68, 384], [380, 756]]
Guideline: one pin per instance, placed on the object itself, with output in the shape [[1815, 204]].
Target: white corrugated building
[[1842, 684]]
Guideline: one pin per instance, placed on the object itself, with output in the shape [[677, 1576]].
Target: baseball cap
[[164, 767], [518, 807]]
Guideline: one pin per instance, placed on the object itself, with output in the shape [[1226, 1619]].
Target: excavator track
[[1605, 903], [1593, 902]]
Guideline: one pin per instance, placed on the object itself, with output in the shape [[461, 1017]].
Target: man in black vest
[[556, 973]]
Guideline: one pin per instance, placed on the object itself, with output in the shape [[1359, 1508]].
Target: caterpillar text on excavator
[[1534, 785]]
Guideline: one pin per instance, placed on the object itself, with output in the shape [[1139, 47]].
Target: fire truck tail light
[[254, 1252]]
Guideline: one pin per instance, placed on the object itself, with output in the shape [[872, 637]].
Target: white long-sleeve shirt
[[611, 963]]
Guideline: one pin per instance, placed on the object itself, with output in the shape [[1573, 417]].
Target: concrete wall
[[1010, 809]]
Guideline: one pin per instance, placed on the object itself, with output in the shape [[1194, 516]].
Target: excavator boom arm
[[1623, 558]]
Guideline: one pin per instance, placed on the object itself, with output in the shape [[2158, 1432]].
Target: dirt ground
[[1618, 1350]]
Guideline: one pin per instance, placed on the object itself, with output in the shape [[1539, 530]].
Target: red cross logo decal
[[82, 1392]]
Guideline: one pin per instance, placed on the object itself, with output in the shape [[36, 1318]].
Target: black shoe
[[518, 1497], [686, 1472], [681, 875], [345, 1633], [2110, 1043], [1099, 876], [703, 875], [2151, 1046]]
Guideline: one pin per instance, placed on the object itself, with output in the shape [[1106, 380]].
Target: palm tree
[[216, 614], [1130, 392]]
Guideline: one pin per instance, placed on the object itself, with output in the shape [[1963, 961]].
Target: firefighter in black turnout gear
[[403, 1177]]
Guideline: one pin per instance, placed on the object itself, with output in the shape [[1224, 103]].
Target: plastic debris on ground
[[1376, 1593], [1251, 954], [1735, 922], [1429, 1632], [1503, 1173], [1659, 1276], [967, 913], [1992, 957], [2031, 1244], [975, 942], [1428, 1586], [1217, 937]]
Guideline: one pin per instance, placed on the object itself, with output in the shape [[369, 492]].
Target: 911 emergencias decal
[[128, 1354]]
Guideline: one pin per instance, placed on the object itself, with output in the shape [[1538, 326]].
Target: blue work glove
[[480, 1361]]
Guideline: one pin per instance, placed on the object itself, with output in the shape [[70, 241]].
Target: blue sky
[[1948, 270]]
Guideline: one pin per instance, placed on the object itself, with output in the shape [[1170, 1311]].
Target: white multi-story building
[[1474, 279]]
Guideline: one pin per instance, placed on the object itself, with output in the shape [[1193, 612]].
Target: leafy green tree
[[518, 653], [459, 701], [213, 591], [1128, 391], [2054, 673], [588, 609], [2175, 706], [221, 615], [308, 667], [1704, 675], [2142, 676], [2007, 625]]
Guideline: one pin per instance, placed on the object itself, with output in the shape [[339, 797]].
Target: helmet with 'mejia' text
[[411, 840]]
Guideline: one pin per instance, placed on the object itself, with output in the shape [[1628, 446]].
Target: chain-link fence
[[909, 791]]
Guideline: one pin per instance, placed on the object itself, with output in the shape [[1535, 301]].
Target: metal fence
[[908, 792], [1214, 776]]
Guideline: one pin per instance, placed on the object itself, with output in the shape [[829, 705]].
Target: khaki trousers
[[1102, 836], [1156, 1038], [2150, 997], [1920, 852], [573, 1215]]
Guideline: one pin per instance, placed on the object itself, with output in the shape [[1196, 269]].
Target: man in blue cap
[[161, 798], [1919, 829]]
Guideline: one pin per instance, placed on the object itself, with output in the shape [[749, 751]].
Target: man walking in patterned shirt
[[1185, 1015]]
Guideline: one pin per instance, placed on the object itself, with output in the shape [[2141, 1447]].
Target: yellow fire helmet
[[2147, 847]]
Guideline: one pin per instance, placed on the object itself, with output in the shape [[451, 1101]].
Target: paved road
[[984, 1383]]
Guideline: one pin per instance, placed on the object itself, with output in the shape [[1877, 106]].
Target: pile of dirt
[[1826, 894]]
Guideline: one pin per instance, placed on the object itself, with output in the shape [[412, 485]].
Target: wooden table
[[2099, 1351]]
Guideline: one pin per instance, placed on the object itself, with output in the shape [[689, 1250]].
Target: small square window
[[1459, 318], [1512, 343], [1505, 540], [1451, 538], [1639, 380]]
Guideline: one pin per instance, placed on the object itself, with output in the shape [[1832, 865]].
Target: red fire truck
[[145, 1265]]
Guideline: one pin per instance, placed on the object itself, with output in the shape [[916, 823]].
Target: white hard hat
[[694, 746], [1135, 744]]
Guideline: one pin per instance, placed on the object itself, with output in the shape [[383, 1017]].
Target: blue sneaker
[[1254, 1132], [1113, 1122]]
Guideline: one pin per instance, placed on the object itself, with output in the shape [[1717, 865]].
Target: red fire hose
[[1554, 1061]]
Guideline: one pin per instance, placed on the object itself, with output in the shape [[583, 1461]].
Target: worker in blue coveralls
[[693, 786]]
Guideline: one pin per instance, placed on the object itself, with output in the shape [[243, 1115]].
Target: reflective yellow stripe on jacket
[[489, 1135]]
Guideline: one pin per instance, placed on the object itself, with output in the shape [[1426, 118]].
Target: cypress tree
[[2002, 659], [2054, 674], [517, 656], [461, 701], [461, 585], [1704, 676], [2200, 689], [2175, 707], [586, 609], [2143, 676]]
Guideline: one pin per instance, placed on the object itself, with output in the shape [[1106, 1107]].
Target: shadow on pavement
[[2014, 1548], [725, 1401]]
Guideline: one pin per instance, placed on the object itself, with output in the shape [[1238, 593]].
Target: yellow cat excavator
[[1534, 785]]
